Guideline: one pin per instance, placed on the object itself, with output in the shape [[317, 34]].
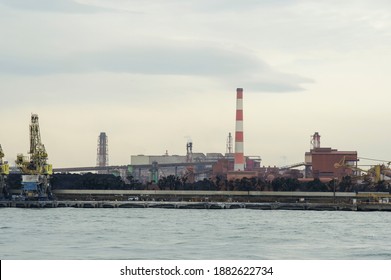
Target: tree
[[382, 186], [316, 186], [278, 184], [346, 184]]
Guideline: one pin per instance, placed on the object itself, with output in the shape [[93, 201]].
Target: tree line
[[172, 182], [278, 184]]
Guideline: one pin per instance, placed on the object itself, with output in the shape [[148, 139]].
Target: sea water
[[171, 234]]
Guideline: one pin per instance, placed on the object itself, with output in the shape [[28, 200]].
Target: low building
[[173, 165], [225, 167]]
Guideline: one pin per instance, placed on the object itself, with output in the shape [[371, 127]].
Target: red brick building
[[320, 163]]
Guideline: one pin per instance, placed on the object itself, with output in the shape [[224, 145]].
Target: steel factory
[[319, 162], [322, 163]]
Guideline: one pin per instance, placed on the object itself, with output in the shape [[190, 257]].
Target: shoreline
[[199, 205]]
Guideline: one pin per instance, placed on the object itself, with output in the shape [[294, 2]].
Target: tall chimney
[[239, 154], [315, 140], [102, 158]]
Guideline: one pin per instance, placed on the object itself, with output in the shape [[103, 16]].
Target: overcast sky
[[153, 74]]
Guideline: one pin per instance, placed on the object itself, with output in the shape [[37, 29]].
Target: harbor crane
[[35, 169], [4, 171]]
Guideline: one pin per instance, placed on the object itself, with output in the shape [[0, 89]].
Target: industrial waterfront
[[201, 136], [328, 171]]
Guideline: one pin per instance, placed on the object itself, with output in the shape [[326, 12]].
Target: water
[[72, 233]]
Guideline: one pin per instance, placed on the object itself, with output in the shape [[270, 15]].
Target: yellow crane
[[35, 169], [4, 171], [373, 174]]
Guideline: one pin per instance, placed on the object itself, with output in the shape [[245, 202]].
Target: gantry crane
[[35, 169], [4, 171]]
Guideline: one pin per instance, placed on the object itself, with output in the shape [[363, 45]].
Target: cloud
[[62, 6], [234, 5], [174, 60], [82, 44], [225, 65]]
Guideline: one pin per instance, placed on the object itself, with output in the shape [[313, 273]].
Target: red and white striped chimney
[[239, 153]]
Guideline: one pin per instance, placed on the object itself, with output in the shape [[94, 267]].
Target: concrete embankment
[[198, 205]]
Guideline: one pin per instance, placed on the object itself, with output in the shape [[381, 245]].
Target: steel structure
[[35, 169], [4, 171], [229, 144], [189, 151], [126, 167], [154, 171], [189, 173], [315, 140], [374, 174], [102, 158]]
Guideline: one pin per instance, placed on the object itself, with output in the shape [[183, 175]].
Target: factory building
[[225, 167], [234, 165], [322, 163], [176, 165], [174, 159], [220, 165], [162, 159]]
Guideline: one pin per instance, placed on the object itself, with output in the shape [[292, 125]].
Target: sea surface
[[171, 234]]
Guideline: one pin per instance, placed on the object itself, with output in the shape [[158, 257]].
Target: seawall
[[198, 205]]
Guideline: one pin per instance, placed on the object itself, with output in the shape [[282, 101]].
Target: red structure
[[321, 162], [239, 139]]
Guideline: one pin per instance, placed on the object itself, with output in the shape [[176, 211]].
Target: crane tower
[[35, 169]]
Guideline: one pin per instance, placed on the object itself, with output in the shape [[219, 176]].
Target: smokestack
[[315, 140], [239, 154]]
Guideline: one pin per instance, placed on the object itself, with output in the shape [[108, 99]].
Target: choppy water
[[71, 233]]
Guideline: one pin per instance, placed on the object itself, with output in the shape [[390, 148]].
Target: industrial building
[[232, 165], [207, 165], [322, 163], [161, 159]]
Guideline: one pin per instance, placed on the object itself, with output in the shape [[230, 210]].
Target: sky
[[155, 74]]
